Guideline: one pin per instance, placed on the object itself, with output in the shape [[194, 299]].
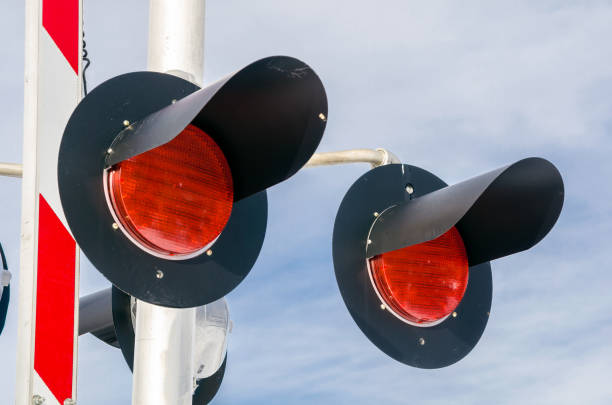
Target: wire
[[87, 63]]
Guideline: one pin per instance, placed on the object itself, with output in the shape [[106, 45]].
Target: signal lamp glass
[[173, 201], [422, 284]]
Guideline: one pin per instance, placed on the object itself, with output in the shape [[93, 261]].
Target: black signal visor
[[268, 119], [498, 213]]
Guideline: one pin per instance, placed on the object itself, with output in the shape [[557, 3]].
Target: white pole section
[[163, 347], [163, 355], [176, 38]]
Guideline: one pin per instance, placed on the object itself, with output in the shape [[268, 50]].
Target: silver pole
[[164, 343]]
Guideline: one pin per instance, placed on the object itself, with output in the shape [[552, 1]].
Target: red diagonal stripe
[[61, 20], [55, 291]]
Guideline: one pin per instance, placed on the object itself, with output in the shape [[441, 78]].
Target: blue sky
[[456, 88]]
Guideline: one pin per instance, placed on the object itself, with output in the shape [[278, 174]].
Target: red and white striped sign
[[49, 275]]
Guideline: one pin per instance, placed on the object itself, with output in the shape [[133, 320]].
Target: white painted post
[[163, 351], [49, 269]]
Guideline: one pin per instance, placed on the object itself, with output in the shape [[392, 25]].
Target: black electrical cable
[[87, 63]]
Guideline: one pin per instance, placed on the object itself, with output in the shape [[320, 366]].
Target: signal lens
[[173, 201], [422, 284]]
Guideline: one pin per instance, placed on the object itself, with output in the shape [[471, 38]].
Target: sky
[[458, 88]]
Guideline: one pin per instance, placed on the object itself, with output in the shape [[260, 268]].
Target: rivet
[[409, 188], [38, 400], [376, 214], [115, 226], [322, 117], [109, 150], [454, 314], [159, 274], [369, 242], [383, 307], [126, 123], [422, 341], [209, 252]]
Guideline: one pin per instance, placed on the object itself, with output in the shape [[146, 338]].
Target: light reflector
[[173, 201], [422, 284]]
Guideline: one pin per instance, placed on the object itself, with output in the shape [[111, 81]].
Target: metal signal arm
[[11, 169], [375, 157]]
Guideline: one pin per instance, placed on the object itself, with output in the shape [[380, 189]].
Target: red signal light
[[422, 284], [173, 201]]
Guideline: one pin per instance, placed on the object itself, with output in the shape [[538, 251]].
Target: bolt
[[322, 117], [115, 226], [422, 341], [126, 123], [38, 400], [109, 151], [409, 188], [159, 274], [454, 314], [376, 214], [209, 252]]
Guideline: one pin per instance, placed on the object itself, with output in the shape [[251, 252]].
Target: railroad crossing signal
[[164, 184], [411, 254]]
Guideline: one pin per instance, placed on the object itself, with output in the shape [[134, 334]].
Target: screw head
[[409, 188], [376, 214], [159, 274], [322, 117], [383, 307], [454, 314], [38, 400], [115, 226], [109, 151], [209, 252], [421, 341], [126, 123]]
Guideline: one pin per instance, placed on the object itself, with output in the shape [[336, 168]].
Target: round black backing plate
[[4, 302], [186, 283], [209, 386], [124, 329], [424, 347]]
